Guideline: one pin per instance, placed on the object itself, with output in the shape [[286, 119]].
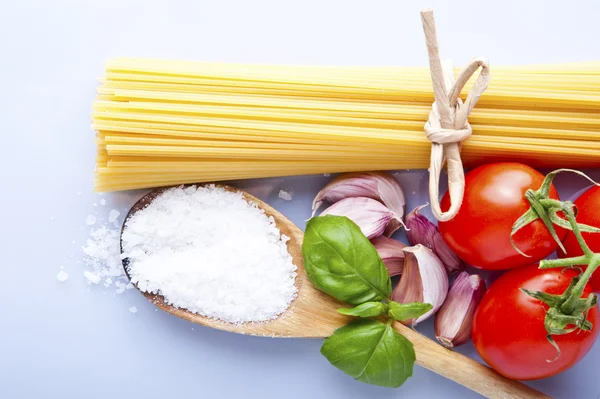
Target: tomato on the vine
[[508, 326], [588, 212], [494, 199]]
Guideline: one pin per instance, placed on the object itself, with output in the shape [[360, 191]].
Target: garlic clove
[[453, 321], [380, 186], [424, 279], [370, 215], [420, 230], [391, 253]]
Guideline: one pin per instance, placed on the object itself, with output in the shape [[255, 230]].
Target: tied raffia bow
[[447, 125]]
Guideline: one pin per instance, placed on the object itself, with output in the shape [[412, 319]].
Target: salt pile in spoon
[[208, 250]]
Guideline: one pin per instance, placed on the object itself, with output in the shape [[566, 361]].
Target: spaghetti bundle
[[170, 122]]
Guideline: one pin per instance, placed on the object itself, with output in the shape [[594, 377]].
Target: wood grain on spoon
[[313, 314]]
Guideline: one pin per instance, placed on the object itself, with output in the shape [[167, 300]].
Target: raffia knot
[[437, 134], [447, 125]]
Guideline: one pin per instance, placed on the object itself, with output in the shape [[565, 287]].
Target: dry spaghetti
[[170, 122]]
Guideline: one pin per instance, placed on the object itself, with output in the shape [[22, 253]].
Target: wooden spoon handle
[[465, 371]]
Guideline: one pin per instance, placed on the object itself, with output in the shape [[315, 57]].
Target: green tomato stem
[[569, 308], [565, 262], [569, 305], [568, 210]]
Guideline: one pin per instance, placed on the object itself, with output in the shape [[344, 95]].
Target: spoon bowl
[[313, 314]]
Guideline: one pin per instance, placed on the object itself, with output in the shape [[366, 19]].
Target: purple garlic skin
[[424, 279], [379, 186], [420, 230], [370, 215], [453, 321], [391, 253]]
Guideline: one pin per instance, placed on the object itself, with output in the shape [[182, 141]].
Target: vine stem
[[565, 262], [568, 209], [569, 308], [592, 260]]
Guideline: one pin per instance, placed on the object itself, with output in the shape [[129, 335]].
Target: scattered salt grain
[[90, 220], [284, 195], [120, 287], [108, 282], [102, 202], [62, 276], [103, 254], [209, 251], [92, 278], [326, 174], [113, 215], [414, 192], [133, 309], [129, 286]]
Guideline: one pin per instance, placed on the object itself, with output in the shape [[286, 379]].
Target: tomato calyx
[[567, 312], [548, 210], [560, 321]]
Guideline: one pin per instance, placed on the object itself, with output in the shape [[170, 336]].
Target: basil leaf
[[340, 261], [405, 311], [371, 352], [367, 309]]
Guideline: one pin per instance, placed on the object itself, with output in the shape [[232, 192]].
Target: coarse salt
[[121, 286], [62, 276], [113, 215], [133, 309], [284, 195], [210, 251], [92, 278], [90, 220], [102, 255]]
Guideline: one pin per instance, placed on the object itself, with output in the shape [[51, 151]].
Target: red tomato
[[494, 200], [588, 206], [508, 326]]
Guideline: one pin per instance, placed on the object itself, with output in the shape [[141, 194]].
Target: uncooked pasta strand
[[163, 122]]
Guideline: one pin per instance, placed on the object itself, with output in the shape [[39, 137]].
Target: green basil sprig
[[340, 261], [367, 309], [371, 352]]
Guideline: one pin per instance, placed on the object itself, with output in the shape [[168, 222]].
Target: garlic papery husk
[[391, 253], [454, 319], [370, 215], [380, 186], [420, 230], [424, 279]]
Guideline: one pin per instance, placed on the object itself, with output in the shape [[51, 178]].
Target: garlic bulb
[[370, 215], [391, 253], [420, 230], [379, 186], [424, 279], [454, 319]]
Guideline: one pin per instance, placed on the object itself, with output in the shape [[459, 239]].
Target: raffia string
[[447, 125]]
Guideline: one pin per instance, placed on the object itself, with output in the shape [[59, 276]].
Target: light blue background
[[68, 340]]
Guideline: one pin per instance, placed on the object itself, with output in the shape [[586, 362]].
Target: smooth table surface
[[70, 340]]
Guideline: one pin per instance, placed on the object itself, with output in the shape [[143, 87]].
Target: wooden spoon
[[313, 315]]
